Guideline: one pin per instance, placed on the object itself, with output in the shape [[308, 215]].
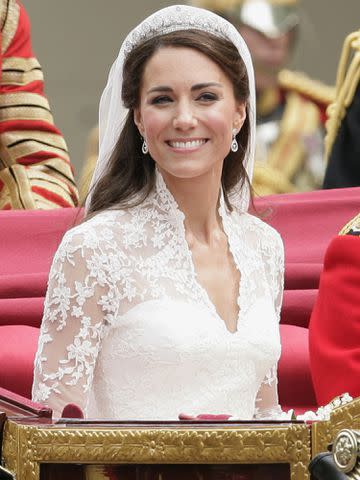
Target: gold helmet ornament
[[272, 18]]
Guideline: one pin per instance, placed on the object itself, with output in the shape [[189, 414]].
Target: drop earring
[[144, 148], [234, 143]]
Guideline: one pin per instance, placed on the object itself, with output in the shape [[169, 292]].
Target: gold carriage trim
[[348, 77], [346, 450], [27, 444], [324, 432], [26, 447]]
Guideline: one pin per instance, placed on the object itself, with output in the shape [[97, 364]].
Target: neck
[[198, 199]]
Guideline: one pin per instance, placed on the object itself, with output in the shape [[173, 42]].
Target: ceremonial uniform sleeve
[[35, 170], [334, 330]]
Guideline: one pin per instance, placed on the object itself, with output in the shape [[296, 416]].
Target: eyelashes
[[204, 97], [162, 99], [209, 97]]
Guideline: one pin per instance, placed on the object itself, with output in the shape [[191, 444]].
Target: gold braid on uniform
[[306, 86], [348, 77], [9, 18], [300, 119], [268, 181], [35, 169], [352, 227]]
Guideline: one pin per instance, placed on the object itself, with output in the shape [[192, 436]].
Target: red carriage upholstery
[[307, 222], [28, 241]]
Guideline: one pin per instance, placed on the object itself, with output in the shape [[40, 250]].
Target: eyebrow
[[198, 86]]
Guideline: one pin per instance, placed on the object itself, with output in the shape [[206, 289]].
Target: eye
[[161, 99], [208, 97]]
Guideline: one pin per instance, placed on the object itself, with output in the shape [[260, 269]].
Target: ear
[[240, 115], [138, 121]]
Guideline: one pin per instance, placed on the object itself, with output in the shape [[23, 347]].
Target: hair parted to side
[[130, 175]]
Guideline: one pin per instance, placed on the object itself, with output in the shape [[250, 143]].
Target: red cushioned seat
[[28, 241], [17, 353], [295, 387]]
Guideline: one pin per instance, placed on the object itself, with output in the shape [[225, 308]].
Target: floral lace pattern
[[129, 332]]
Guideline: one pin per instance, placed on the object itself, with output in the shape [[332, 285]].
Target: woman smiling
[[166, 299]]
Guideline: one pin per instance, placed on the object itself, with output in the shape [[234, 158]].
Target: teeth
[[191, 144]]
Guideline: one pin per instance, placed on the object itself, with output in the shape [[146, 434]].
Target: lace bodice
[[129, 333]]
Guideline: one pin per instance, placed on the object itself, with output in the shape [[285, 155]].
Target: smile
[[186, 145]]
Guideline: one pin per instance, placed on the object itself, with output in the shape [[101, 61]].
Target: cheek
[[221, 122], [154, 124]]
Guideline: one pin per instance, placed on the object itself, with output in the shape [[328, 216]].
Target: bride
[[166, 299]]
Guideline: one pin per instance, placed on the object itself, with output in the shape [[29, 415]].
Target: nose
[[184, 118]]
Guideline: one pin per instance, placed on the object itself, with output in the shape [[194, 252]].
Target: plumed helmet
[[273, 18]]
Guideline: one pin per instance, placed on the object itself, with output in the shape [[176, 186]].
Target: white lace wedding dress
[[129, 333]]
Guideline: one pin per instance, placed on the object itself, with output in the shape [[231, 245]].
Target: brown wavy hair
[[130, 175]]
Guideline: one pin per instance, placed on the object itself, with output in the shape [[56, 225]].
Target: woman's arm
[[78, 303], [267, 400]]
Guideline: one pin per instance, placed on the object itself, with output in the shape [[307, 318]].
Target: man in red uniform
[[35, 170], [334, 331]]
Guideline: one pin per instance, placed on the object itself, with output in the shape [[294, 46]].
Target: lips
[[186, 144]]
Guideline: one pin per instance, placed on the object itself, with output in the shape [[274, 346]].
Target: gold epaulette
[[315, 90], [268, 180], [347, 80]]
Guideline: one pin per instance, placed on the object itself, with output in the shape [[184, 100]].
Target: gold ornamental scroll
[[28, 447], [345, 416]]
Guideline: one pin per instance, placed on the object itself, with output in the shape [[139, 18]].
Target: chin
[[185, 171]]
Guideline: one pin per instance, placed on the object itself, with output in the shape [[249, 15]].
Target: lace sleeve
[[79, 301], [267, 400]]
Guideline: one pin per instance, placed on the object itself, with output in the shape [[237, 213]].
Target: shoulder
[[259, 237], [260, 242], [265, 232], [93, 233]]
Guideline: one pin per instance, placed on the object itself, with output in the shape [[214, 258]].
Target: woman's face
[[187, 112]]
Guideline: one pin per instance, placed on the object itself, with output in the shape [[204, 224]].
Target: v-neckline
[[180, 217]]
